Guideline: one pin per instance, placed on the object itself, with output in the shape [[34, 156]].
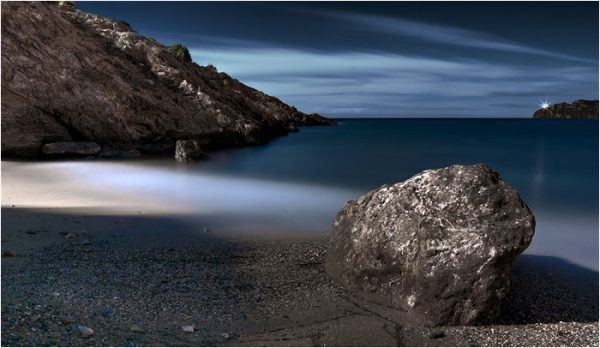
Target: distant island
[[578, 109], [82, 84]]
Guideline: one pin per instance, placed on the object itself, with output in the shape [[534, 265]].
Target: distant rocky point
[[70, 78], [578, 109]]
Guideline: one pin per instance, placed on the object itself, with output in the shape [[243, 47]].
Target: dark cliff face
[[577, 109], [72, 76]]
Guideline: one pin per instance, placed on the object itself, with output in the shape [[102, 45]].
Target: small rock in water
[[107, 313], [136, 328], [71, 236], [187, 151], [55, 294], [8, 253], [225, 335], [188, 328], [85, 331]]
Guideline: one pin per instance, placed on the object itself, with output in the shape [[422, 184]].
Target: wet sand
[[137, 279]]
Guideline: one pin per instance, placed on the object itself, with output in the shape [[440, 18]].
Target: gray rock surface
[[187, 151], [68, 75], [439, 246], [68, 148]]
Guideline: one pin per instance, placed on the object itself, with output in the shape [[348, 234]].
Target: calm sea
[[296, 184]]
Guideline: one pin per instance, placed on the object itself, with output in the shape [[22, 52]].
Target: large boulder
[[439, 246]]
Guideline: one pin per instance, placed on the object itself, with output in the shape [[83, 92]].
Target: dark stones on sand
[[8, 253], [435, 334], [136, 328], [85, 331], [71, 148], [188, 328], [439, 247], [187, 151]]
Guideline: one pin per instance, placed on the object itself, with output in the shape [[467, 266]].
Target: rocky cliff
[[577, 109], [68, 75]]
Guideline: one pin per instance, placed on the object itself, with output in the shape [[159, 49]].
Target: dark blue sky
[[360, 59]]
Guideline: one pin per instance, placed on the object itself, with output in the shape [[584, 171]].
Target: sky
[[388, 59]]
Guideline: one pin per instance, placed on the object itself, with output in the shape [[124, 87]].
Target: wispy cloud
[[336, 83], [392, 58], [361, 81], [442, 34]]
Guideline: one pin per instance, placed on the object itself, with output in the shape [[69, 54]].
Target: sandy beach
[[137, 280]]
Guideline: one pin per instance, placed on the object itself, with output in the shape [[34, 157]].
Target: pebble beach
[[155, 281]]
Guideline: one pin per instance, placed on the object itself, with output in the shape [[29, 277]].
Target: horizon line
[[426, 117]]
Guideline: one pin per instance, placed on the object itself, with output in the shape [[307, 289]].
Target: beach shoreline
[[159, 273]]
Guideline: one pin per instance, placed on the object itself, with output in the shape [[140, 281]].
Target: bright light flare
[[544, 105]]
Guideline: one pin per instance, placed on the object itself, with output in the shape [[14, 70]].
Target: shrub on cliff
[[181, 52]]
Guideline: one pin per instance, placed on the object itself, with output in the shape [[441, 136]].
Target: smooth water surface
[[297, 184]]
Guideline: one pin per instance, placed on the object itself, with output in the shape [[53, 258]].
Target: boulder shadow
[[546, 289]]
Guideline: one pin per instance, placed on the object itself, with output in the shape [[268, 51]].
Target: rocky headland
[[578, 109], [72, 77]]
